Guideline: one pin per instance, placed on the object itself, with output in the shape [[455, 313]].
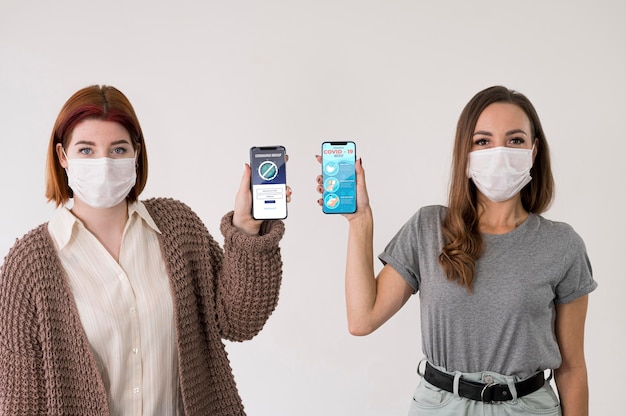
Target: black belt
[[491, 392]]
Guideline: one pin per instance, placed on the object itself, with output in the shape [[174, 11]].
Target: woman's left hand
[[242, 218]]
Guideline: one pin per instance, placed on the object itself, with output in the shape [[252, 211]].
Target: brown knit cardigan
[[46, 362]]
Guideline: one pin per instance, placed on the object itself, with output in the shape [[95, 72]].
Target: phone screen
[[339, 177], [268, 182]]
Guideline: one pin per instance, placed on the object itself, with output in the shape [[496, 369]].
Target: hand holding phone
[[268, 182], [338, 177]]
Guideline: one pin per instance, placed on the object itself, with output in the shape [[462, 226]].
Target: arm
[[22, 384], [370, 300], [571, 377], [250, 274], [249, 278]]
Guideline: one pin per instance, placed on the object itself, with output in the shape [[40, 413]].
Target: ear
[[535, 148], [61, 156]]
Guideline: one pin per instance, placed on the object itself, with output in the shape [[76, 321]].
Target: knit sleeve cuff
[[269, 236]]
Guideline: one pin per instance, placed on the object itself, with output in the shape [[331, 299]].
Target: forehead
[[502, 116], [99, 132]]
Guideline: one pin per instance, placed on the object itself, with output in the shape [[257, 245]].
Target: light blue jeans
[[429, 400]]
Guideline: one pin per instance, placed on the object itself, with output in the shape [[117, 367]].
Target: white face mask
[[500, 173], [103, 182]]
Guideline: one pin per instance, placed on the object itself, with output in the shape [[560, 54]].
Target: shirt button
[[132, 310], [136, 390], [135, 350]]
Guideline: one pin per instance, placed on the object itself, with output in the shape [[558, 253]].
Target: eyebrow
[[87, 142], [508, 133]]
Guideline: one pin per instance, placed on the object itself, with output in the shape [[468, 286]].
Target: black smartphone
[[268, 182], [339, 177]]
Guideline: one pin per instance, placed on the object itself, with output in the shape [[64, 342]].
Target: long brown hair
[[464, 244], [95, 102]]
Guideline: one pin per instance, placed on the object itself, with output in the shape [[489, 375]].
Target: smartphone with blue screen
[[268, 182], [339, 177]]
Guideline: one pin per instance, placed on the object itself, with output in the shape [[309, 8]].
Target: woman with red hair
[[119, 306]]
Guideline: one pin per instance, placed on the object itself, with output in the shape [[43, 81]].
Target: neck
[[107, 225], [101, 217], [500, 217]]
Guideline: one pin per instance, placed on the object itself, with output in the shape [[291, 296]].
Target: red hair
[[95, 102]]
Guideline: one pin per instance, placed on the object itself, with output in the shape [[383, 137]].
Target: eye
[[481, 142], [517, 141], [120, 150], [85, 151]]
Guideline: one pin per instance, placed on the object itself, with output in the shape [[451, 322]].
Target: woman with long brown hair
[[503, 290]]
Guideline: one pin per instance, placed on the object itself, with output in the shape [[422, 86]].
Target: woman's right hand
[[362, 199]]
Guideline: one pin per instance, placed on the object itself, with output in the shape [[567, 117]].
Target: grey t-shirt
[[507, 324]]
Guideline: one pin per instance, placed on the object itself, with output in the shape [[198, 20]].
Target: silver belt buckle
[[482, 393]]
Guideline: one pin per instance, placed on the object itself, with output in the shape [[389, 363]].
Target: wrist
[[362, 219], [246, 225]]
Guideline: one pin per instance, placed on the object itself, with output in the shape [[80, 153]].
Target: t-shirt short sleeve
[[578, 279], [416, 245], [402, 252]]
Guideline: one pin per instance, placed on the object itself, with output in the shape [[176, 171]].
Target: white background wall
[[209, 79]]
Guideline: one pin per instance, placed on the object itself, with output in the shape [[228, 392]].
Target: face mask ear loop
[[532, 155], [67, 159]]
